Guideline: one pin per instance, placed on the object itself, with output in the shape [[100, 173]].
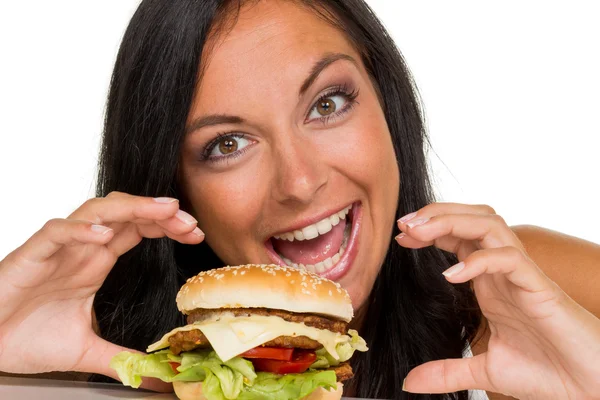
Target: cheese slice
[[230, 336]]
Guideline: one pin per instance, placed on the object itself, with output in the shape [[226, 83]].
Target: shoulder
[[573, 263]]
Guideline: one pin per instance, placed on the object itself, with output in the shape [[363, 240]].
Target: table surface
[[47, 389]]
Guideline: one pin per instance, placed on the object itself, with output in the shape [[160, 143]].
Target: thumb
[[447, 376], [97, 360]]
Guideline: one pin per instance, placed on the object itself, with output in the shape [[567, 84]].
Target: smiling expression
[[288, 157]]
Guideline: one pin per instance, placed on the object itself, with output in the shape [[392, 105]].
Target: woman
[[263, 120]]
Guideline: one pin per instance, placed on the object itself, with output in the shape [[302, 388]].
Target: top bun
[[265, 286]]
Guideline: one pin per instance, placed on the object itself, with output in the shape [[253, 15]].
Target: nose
[[300, 172]]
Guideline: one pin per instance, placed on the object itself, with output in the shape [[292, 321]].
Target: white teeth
[[310, 268], [312, 231], [320, 267], [326, 264], [324, 226], [334, 219], [335, 258]]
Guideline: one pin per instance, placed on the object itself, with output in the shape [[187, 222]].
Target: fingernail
[[164, 200], [407, 217], [404, 385], [101, 229], [455, 269], [198, 232], [400, 236], [417, 222], [185, 217]]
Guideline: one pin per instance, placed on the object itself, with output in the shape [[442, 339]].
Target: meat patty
[[343, 372], [315, 321], [190, 340]]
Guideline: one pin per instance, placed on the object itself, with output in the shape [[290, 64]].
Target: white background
[[511, 91]]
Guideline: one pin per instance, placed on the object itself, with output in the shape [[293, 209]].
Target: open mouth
[[326, 247]]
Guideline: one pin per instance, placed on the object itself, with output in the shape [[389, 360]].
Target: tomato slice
[[174, 366], [301, 360], [271, 353]]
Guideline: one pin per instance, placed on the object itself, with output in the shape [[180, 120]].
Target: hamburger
[[253, 332]]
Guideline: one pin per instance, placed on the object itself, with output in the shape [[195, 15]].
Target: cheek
[[363, 151], [225, 211]]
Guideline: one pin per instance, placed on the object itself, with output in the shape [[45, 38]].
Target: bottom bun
[[193, 391]]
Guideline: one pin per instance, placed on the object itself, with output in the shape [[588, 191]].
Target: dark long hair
[[413, 316]]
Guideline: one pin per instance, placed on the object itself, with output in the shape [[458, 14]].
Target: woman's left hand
[[542, 344]]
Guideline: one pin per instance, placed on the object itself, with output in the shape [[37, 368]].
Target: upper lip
[[304, 222]]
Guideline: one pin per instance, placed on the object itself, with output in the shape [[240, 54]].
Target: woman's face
[[284, 135]]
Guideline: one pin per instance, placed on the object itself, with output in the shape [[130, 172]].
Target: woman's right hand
[[47, 286]]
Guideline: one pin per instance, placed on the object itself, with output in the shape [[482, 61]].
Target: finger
[[434, 209], [487, 230], [406, 241], [132, 234], [448, 376], [459, 247], [60, 232], [180, 224], [123, 207], [97, 360], [509, 261], [156, 231]]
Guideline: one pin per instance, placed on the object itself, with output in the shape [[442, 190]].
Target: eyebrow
[[215, 119], [318, 67]]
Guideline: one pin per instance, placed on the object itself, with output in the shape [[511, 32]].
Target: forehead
[[273, 45]]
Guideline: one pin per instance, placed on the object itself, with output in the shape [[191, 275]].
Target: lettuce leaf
[[345, 351], [287, 387], [132, 366]]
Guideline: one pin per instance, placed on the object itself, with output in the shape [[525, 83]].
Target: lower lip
[[342, 267]]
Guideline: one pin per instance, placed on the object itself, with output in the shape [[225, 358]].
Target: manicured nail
[[185, 217], [417, 222], [198, 232], [101, 229], [400, 236], [164, 200], [407, 217], [455, 269]]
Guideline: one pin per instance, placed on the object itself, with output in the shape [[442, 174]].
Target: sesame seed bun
[[193, 391], [265, 286]]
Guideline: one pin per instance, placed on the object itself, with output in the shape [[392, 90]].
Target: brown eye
[[326, 106], [228, 145]]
